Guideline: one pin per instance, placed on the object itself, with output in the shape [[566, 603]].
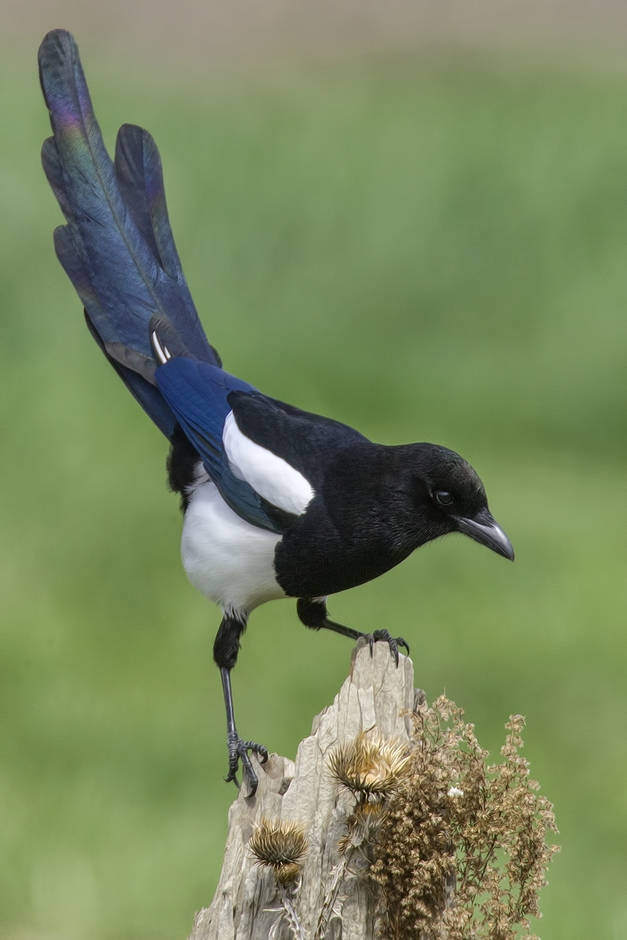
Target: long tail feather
[[140, 179], [117, 247]]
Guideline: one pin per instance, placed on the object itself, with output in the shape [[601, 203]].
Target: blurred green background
[[429, 247]]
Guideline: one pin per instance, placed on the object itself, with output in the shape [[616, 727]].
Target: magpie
[[277, 502]]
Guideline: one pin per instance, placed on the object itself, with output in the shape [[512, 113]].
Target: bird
[[277, 502]]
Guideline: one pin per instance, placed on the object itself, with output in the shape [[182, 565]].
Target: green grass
[[430, 250]]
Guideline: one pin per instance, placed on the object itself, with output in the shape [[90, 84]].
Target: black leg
[[225, 650], [313, 614]]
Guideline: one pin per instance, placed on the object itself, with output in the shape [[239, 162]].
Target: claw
[[393, 643], [238, 751]]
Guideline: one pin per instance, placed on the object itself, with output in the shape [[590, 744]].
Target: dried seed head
[[370, 767], [457, 820], [287, 874], [280, 846]]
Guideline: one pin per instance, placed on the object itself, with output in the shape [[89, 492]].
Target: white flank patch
[[269, 475], [226, 558]]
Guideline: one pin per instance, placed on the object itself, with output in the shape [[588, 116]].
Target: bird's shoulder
[[308, 442]]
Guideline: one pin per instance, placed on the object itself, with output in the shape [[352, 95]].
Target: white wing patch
[[270, 476]]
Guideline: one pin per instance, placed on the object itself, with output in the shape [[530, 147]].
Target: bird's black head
[[448, 496]]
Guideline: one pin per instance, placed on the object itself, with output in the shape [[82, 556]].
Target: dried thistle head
[[281, 847], [370, 767], [362, 825]]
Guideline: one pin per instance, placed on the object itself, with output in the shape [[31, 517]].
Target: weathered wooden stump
[[246, 906]]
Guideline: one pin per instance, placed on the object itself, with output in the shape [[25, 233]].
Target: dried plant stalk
[[456, 820]]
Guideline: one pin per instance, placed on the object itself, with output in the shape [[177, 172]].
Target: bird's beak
[[484, 529]]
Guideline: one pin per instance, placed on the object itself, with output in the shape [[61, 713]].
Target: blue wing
[[198, 395]]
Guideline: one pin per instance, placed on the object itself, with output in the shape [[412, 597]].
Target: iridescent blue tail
[[117, 246]]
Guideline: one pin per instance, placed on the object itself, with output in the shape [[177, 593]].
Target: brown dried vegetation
[[461, 849]]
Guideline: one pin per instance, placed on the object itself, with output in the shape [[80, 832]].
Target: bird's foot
[[238, 751], [393, 642]]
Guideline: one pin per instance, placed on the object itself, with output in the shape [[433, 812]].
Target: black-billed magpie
[[277, 502]]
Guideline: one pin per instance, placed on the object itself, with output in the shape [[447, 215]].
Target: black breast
[[356, 528], [314, 559]]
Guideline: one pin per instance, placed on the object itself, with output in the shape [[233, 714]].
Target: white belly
[[229, 560]]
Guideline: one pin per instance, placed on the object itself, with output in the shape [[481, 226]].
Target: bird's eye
[[444, 498]]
